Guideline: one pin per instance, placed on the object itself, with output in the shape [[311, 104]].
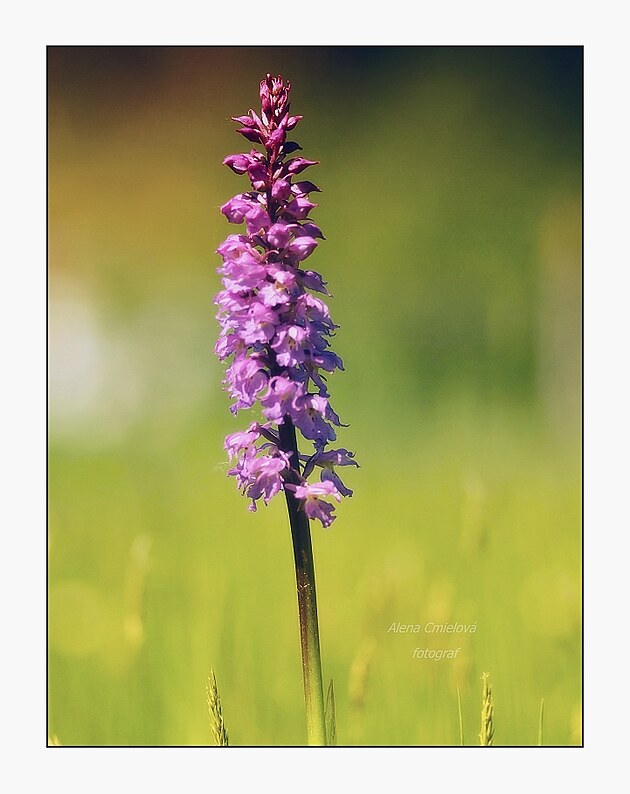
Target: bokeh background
[[451, 203]]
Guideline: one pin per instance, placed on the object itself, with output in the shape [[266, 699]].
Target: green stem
[[307, 599]]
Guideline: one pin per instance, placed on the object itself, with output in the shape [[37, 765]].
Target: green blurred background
[[451, 203]]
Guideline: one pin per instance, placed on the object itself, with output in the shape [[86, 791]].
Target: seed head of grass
[[486, 734], [217, 726]]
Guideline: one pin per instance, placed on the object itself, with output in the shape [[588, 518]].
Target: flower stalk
[[276, 333], [307, 606]]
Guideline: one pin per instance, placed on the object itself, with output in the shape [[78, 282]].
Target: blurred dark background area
[[452, 176]]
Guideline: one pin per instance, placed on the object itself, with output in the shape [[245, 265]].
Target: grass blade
[[461, 720], [329, 716], [540, 722]]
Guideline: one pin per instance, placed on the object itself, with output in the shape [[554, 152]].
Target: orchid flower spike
[[275, 326]]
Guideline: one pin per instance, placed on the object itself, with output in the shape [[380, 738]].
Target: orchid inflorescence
[[272, 324]]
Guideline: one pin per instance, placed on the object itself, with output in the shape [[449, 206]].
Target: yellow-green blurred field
[[451, 204]]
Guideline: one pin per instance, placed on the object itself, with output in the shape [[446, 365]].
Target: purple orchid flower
[[314, 505]]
